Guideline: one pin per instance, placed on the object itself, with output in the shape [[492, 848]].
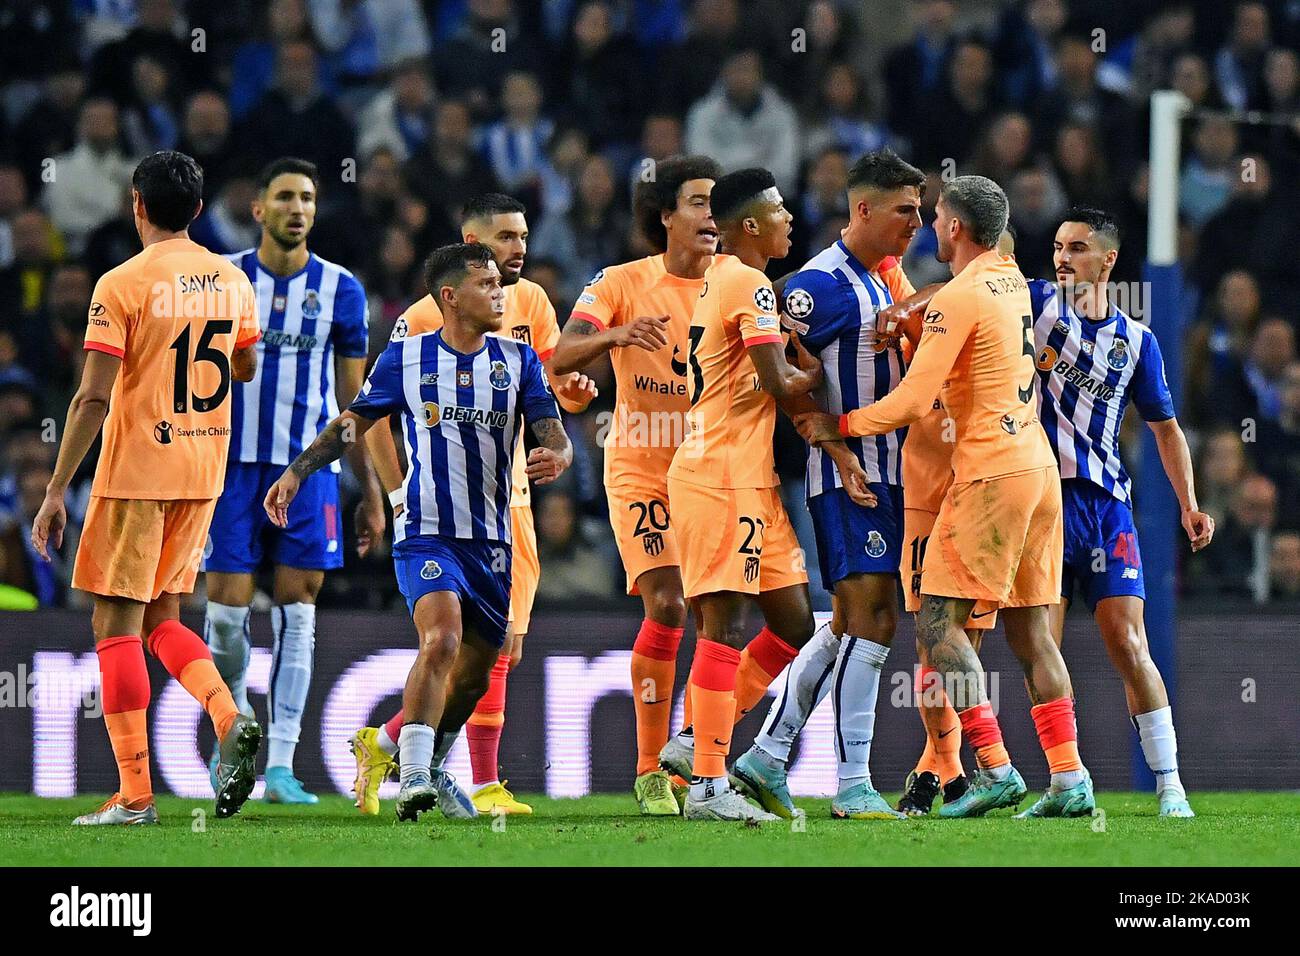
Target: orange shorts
[[139, 549], [643, 529], [735, 539], [999, 540], [525, 569], [917, 526]]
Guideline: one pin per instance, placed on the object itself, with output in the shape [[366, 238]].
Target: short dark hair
[[171, 186], [487, 205], [1098, 220], [884, 169], [448, 265], [287, 164], [733, 193], [652, 198], [981, 205]]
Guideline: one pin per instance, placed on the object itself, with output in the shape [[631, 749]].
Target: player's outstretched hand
[[644, 332], [577, 389], [47, 529], [1199, 527], [370, 522], [544, 466], [816, 427], [278, 497]]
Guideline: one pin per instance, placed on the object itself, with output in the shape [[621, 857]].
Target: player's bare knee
[[666, 607], [438, 647]]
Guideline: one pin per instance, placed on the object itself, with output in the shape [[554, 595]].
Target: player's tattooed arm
[[581, 343], [554, 454], [330, 444]]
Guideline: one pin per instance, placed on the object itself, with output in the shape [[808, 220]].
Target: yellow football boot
[[495, 798], [373, 768]]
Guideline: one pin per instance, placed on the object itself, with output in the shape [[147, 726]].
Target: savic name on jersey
[[1087, 372], [307, 318], [461, 415]]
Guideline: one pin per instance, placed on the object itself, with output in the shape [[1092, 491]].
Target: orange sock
[[654, 668], [128, 732], [760, 663], [713, 690], [188, 660], [942, 755], [688, 711], [1057, 734], [124, 689], [985, 736]]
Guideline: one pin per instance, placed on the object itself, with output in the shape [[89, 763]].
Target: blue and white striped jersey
[[1087, 372], [460, 418], [837, 298], [306, 318]]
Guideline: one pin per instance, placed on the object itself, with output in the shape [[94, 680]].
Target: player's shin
[[654, 670], [187, 659], [1160, 747], [713, 687], [980, 726], [942, 755], [124, 689], [807, 681], [1059, 738], [294, 628], [760, 664], [856, 687], [226, 630], [483, 729], [416, 742]]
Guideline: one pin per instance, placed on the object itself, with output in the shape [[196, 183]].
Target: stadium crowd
[[410, 108]]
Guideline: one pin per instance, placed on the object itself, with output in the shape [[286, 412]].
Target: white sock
[[226, 631], [1000, 772], [1066, 779], [855, 686], [1160, 747], [706, 788], [442, 747], [294, 627], [386, 743], [807, 681], [416, 744]]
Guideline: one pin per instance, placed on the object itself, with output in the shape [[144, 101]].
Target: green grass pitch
[[1231, 829]]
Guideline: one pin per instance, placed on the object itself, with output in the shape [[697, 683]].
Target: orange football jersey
[[927, 461], [732, 418], [650, 409], [173, 314], [977, 355], [530, 318]]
